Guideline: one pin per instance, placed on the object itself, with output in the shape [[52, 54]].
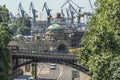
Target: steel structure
[[32, 9], [21, 10], [63, 15], [20, 59], [73, 11], [91, 6], [45, 6]]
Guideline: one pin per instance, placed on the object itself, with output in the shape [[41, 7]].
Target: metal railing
[[43, 54]]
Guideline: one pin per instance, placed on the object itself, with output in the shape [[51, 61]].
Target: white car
[[53, 66]]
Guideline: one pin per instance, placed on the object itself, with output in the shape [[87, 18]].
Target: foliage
[[101, 51], [23, 26], [13, 28], [4, 16], [23, 30], [5, 34], [5, 37]]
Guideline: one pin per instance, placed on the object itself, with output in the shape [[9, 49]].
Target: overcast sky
[[55, 5]]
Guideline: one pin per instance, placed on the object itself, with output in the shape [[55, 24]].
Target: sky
[[55, 5]]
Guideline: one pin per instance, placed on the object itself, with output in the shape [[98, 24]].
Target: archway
[[62, 47]]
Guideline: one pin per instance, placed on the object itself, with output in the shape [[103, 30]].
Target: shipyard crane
[[79, 15], [77, 12], [32, 9], [91, 6], [65, 3], [45, 6], [63, 15], [67, 11], [71, 9], [21, 10]]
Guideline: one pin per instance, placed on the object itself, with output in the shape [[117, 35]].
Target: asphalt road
[[61, 72]]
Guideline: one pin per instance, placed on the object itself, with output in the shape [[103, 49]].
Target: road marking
[[61, 71], [43, 70]]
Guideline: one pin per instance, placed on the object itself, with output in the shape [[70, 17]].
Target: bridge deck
[[50, 55], [47, 57]]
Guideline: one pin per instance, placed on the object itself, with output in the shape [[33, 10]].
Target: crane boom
[[65, 3], [45, 6], [72, 14], [62, 13], [21, 10], [77, 12], [91, 6], [32, 9]]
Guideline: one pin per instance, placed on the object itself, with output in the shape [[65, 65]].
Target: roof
[[55, 26]]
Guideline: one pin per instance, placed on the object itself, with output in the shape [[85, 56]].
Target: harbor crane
[[45, 6], [67, 11], [91, 6], [73, 11], [32, 9], [79, 15], [77, 12], [21, 10], [63, 15], [65, 3]]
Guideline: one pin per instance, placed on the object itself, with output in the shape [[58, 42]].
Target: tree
[[23, 30], [4, 16], [101, 50], [13, 28], [5, 37], [23, 26], [20, 25]]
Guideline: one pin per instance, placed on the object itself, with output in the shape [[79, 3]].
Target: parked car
[[53, 66]]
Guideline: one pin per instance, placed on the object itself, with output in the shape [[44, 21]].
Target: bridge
[[21, 58]]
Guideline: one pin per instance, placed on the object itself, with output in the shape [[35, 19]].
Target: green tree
[[20, 25], [5, 37], [101, 51], [4, 16], [23, 30], [23, 26], [13, 28]]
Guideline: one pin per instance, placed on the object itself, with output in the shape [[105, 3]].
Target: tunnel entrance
[[62, 47]]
